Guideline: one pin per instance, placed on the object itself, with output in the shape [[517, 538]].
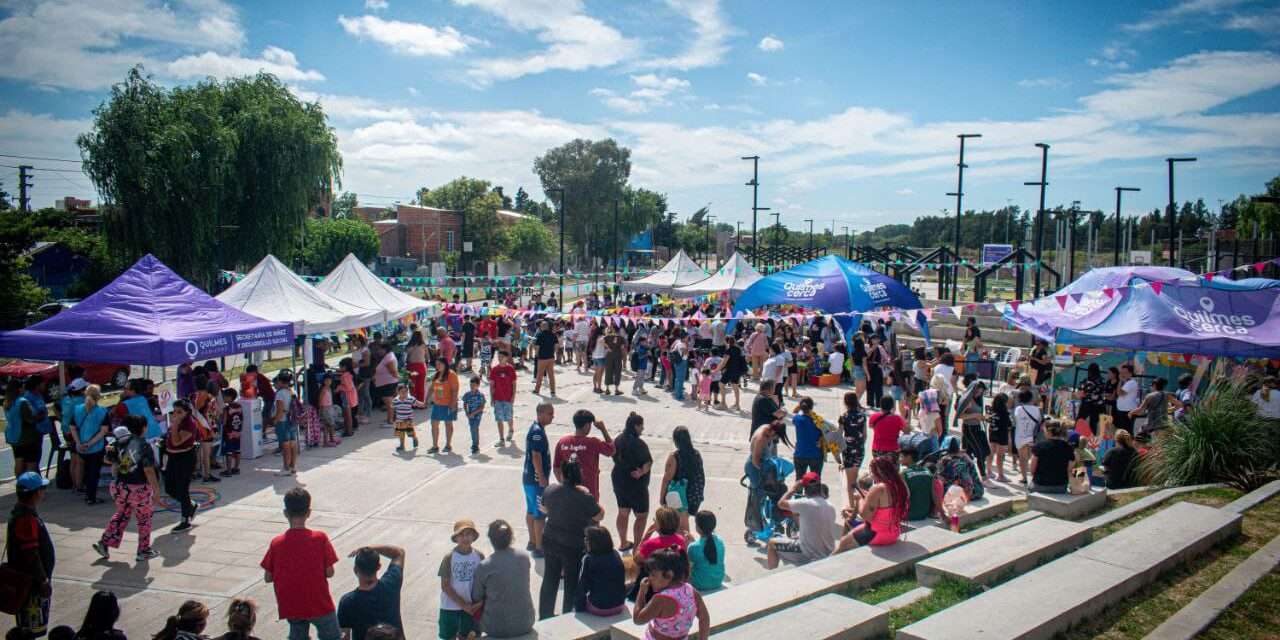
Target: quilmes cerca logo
[[1204, 320], [805, 289]]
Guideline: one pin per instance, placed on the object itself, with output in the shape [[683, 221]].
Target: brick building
[[424, 234]]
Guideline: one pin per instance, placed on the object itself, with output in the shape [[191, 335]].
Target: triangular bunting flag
[[1259, 266], [1014, 304], [1209, 276], [1062, 301], [1109, 292], [1075, 297], [1157, 286]]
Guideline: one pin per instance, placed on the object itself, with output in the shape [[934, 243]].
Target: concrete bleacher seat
[[1050, 599], [785, 588], [575, 626], [1069, 507], [1017, 549], [985, 508], [829, 617]]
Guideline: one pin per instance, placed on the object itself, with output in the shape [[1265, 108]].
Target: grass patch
[[1143, 611], [888, 590], [946, 593], [1254, 615], [1213, 497]]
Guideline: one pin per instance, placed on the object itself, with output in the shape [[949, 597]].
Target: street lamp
[[777, 229], [1120, 190], [560, 300], [755, 204], [846, 240], [1043, 183], [1173, 209], [959, 194], [737, 243], [810, 221], [706, 239]]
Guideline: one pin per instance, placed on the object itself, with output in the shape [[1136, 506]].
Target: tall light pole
[[560, 300], [1120, 190], [777, 229], [706, 239], [810, 221], [959, 194], [737, 244], [1043, 183], [755, 204], [1173, 208], [616, 262], [846, 241], [1071, 239]]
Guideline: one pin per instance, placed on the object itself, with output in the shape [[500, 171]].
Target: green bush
[[1221, 439]]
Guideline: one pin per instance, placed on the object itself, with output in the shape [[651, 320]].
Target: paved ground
[[365, 493]]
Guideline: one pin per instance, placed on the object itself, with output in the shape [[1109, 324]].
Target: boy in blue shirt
[[473, 404]]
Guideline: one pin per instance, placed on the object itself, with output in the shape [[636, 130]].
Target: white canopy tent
[[353, 283], [734, 277], [678, 272], [273, 292]]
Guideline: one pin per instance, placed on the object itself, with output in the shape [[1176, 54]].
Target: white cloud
[[905, 192], [1179, 12], [770, 44], [412, 91], [1189, 84], [274, 60], [90, 44], [651, 91], [711, 31], [376, 5], [1264, 22], [575, 41], [354, 108], [757, 79], [407, 38], [1043, 83]]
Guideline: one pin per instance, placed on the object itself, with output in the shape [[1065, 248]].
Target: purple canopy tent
[[1159, 309], [148, 316]]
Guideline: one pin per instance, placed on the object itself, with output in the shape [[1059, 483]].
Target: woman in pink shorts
[[882, 510]]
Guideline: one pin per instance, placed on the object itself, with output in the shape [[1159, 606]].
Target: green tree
[[531, 242], [480, 210], [328, 241], [20, 295], [522, 199], [593, 175], [210, 175], [344, 205]]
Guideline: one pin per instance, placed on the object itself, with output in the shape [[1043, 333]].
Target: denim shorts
[[858, 373], [286, 431], [502, 411], [441, 412], [533, 500], [599, 362], [326, 627]]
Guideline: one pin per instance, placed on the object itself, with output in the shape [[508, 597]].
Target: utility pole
[[706, 240], [959, 194], [777, 229], [1071, 239], [24, 183], [1173, 208], [755, 205], [1043, 183], [1120, 190], [737, 243], [846, 241], [560, 300], [616, 259]]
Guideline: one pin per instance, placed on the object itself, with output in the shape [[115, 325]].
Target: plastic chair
[[1008, 361]]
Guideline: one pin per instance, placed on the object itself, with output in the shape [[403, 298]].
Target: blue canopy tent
[[831, 284]]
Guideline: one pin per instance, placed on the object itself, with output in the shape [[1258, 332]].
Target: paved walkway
[[365, 493]]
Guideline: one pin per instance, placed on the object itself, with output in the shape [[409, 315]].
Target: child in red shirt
[[299, 563]]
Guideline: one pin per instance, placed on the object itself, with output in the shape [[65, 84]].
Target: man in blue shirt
[[375, 600], [537, 463]]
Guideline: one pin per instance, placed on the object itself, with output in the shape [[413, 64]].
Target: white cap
[[121, 433], [77, 384]]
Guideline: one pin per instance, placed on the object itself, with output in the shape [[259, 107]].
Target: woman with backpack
[[683, 479]]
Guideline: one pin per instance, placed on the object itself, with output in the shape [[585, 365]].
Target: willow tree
[[212, 175]]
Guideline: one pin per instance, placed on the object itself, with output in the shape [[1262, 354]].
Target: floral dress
[[854, 426]]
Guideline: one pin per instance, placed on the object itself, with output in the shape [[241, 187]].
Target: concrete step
[[1066, 506], [1018, 550], [830, 617], [985, 508], [990, 337], [576, 626], [909, 598], [856, 569], [1050, 599]]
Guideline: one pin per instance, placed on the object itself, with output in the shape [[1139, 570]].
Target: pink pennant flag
[[1157, 286], [1209, 276], [1109, 292], [1259, 266], [1014, 304], [1062, 301]]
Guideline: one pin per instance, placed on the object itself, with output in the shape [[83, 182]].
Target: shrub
[[1221, 439]]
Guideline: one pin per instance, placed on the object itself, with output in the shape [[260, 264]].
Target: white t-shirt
[[774, 368], [462, 572], [947, 372], [717, 333], [835, 362], [704, 331], [817, 519], [598, 352], [582, 330], [1268, 408], [1127, 398], [1026, 419]]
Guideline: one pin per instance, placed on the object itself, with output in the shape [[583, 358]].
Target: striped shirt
[[403, 408]]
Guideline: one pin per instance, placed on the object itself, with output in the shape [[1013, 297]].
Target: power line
[[5, 155], [80, 171]]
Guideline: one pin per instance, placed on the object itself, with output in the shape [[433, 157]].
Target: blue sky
[[853, 107]]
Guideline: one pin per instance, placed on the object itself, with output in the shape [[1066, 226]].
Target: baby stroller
[[764, 520]]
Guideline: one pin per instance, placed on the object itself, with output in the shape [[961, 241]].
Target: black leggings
[[92, 472], [177, 480], [559, 562], [875, 387]]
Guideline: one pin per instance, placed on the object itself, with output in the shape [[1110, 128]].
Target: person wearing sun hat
[[31, 552], [457, 573]]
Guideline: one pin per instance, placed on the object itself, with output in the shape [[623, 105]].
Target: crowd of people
[[938, 434]]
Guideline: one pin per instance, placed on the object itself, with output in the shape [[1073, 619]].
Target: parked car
[[106, 375]]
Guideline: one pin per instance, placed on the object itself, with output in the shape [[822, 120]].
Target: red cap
[[810, 477]]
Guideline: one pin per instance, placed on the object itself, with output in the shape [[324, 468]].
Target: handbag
[[1078, 483], [15, 587], [677, 496]]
